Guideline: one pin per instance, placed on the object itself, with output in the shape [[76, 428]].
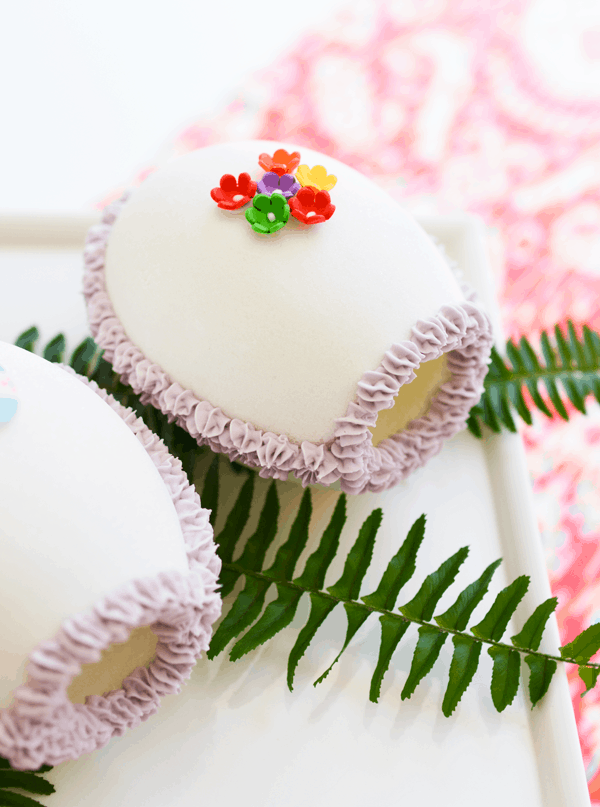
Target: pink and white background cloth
[[493, 108]]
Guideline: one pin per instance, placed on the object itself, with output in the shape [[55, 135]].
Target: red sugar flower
[[311, 206], [281, 162], [232, 195]]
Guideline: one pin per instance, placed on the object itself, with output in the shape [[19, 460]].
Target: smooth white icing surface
[[276, 330], [83, 510]]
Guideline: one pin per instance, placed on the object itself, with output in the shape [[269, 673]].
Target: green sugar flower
[[268, 213]]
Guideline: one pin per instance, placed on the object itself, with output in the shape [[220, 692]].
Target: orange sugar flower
[[281, 162]]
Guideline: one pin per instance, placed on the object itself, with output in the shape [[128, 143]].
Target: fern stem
[[521, 377], [241, 570]]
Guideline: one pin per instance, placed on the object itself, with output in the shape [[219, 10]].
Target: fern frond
[[568, 362], [250, 623]]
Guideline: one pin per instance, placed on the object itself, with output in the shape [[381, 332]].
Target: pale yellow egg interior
[[117, 662], [413, 399]]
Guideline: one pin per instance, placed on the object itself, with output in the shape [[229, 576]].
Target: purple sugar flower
[[285, 185]]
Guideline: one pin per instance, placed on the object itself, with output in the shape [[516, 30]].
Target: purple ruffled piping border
[[462, 330], [42, 726]]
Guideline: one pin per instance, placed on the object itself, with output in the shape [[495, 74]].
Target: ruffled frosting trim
[[42, 726], [461, 330]]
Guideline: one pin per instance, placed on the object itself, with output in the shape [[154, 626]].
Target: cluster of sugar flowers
[[286, 188]]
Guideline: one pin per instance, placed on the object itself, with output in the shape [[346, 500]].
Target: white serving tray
[[235, 735]]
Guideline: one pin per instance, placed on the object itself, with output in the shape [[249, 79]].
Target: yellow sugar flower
[[317, 177]]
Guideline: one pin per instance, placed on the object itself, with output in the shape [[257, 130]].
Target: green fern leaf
[[515, 358], [423, 604], [320, 608], [458, 615], [462, 669], [518, 401], [210, 490], [253, 556], [514, 390], [431, 640], [498, 398], [277, 616], [29, 782], [584, 646], [357, 616], [563, 347], [505, 676], [83, 355], [392, 631], [494, 623], [8, 799], [399, 570], [531, 634], [589, 676], [534, 368], [55, 349], [574, 394], [554, 396], [591, 347], [244, 611], [497, 367], [358, 560], [289, 553], [577, 348], [4, 763], [313, 576], [182, 445], [28, 338], [236, 521], [541, 671], [547, 351], [490, 418], [473, 423]]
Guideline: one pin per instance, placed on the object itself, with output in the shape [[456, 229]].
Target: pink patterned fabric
[[492, 107], [42, 726]]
